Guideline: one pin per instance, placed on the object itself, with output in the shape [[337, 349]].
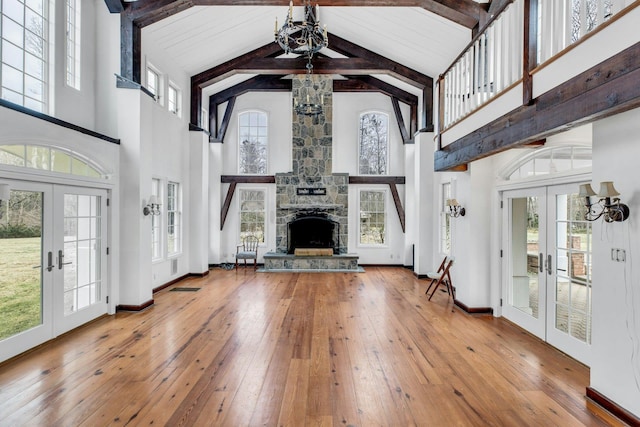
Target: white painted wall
[[615, 371]]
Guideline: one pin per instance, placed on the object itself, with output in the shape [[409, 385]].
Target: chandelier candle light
[[302, 37]]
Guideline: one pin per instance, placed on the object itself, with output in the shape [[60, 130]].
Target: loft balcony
[[537, 68]]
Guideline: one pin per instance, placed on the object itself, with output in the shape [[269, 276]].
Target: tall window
[[24, 53], [445, 220], [73, 43], [374, 141], [156, 251], [252, 142], [373, 217], [252, 213], [173, 99], [153, 82], [174, 224]]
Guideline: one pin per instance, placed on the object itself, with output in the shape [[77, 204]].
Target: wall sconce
[[455, 210], [608, 206], [153, 207]]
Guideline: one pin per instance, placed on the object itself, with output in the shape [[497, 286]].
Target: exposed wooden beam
[[362, 179], [248, 179], [406, 137], [234, 180], [219, 72], [609, 88], [392, 181], [114, 6], [463, 12], [398, 203], [225, 121], [360, 62], [394, 68], [227, 204], [372, 84]]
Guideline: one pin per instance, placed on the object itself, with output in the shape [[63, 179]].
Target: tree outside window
[[372, 217], [252, 142], [252, 214], [23, 74], [374, 137]]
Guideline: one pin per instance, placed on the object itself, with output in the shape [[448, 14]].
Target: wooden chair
[[248, 250], [442, 277]]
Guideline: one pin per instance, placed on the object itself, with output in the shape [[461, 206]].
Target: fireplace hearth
[[313, 231]]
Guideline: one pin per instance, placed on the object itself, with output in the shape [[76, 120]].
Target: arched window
[[550, 161], [253, 133], [49, 159], [373, 142]]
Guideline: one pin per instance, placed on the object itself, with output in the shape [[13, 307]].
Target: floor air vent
[[184, 290]]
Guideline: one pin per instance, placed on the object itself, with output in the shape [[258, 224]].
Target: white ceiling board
[[202, 37]]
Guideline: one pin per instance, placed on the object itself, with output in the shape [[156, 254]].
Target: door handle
[[49, 261], [541, 262], [60, 258], [549, 272]]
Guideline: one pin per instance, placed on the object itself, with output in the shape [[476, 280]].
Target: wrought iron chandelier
[[302, 37], [307, 104]]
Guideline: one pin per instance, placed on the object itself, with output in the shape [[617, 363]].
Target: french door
[[547, 266], [52, 262]]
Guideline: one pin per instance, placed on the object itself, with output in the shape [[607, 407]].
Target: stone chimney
[[311, 188]]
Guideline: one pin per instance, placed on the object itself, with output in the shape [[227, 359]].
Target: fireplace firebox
[[313, 231]]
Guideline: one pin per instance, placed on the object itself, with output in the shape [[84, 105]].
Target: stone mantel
[[311, 207]]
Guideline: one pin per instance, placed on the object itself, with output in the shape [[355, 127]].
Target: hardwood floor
[[325, 349]]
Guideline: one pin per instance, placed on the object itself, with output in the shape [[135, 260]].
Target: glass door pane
[[21, 262], [525, 250], [80, 243], [82, 247], [569, 326], [524, 246]]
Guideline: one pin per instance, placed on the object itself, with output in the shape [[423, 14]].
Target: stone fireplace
[[311, 197], [313, 231]]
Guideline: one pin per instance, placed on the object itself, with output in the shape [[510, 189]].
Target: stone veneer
[[312, 166]]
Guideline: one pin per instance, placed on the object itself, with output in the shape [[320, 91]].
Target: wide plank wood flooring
[[296, 349]]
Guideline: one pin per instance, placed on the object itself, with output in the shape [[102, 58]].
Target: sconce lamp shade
[[452, 202], [153, 200], [586, 190], [4, 191], [607, 190]]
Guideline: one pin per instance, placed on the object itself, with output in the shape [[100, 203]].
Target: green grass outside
[[20, 306]]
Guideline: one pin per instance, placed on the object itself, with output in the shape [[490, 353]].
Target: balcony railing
[[494, 60]]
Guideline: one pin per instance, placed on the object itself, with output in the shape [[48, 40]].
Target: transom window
[[549, 161], [252, 142], [24, 53], [373, 217], [48, 159], [252, 214], [373, 143], [73, 43]]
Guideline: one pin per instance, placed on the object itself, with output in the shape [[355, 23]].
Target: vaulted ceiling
[[199, 35]]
